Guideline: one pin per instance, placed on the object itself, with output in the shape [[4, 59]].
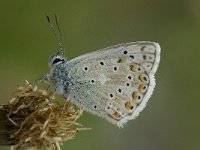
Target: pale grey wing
[[115, 82]]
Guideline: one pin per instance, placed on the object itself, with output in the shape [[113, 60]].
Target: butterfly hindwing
[[115, 82]]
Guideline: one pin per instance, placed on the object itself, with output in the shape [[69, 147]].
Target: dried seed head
[[32, 120]]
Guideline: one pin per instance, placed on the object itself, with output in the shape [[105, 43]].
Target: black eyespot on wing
[[144, 57], [132, 56], [101, 63], [115, 68], [125, 52], [129, 77], [111, 95]]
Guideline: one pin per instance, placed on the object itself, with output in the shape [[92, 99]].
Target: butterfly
[[114, 83]]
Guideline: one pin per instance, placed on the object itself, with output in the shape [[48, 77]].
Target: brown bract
[[33, 119]]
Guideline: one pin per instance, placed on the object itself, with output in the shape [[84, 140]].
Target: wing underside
[[115, 82]]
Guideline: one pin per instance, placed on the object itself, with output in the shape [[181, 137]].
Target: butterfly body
[[114, 83]]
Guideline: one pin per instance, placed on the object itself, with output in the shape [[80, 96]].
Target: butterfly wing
[[115, 82]]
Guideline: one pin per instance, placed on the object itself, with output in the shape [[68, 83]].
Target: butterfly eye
[[57, 60]]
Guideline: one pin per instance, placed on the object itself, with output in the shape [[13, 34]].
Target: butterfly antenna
[[55, 34], [61, 36]]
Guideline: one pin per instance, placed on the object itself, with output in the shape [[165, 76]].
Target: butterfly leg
[[66, 100], [44, 78]]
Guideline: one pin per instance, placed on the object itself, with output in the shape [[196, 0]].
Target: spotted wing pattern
[[116, 82]]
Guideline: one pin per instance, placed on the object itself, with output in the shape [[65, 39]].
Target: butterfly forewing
[[115, 82]]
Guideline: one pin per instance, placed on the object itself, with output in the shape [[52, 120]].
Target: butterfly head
[[56, 60]]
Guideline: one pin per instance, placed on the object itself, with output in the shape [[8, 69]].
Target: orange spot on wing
[[134, 67], [142, 87], [135, 95], [142, 78], [128, 105], [122, 60], [116, 115]]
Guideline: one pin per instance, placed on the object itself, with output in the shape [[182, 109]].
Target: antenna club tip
[[48, 19]]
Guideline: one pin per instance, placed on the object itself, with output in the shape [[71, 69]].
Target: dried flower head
[[33, 120]]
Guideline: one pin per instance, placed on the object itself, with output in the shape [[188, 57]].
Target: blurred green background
[[171, 119]]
